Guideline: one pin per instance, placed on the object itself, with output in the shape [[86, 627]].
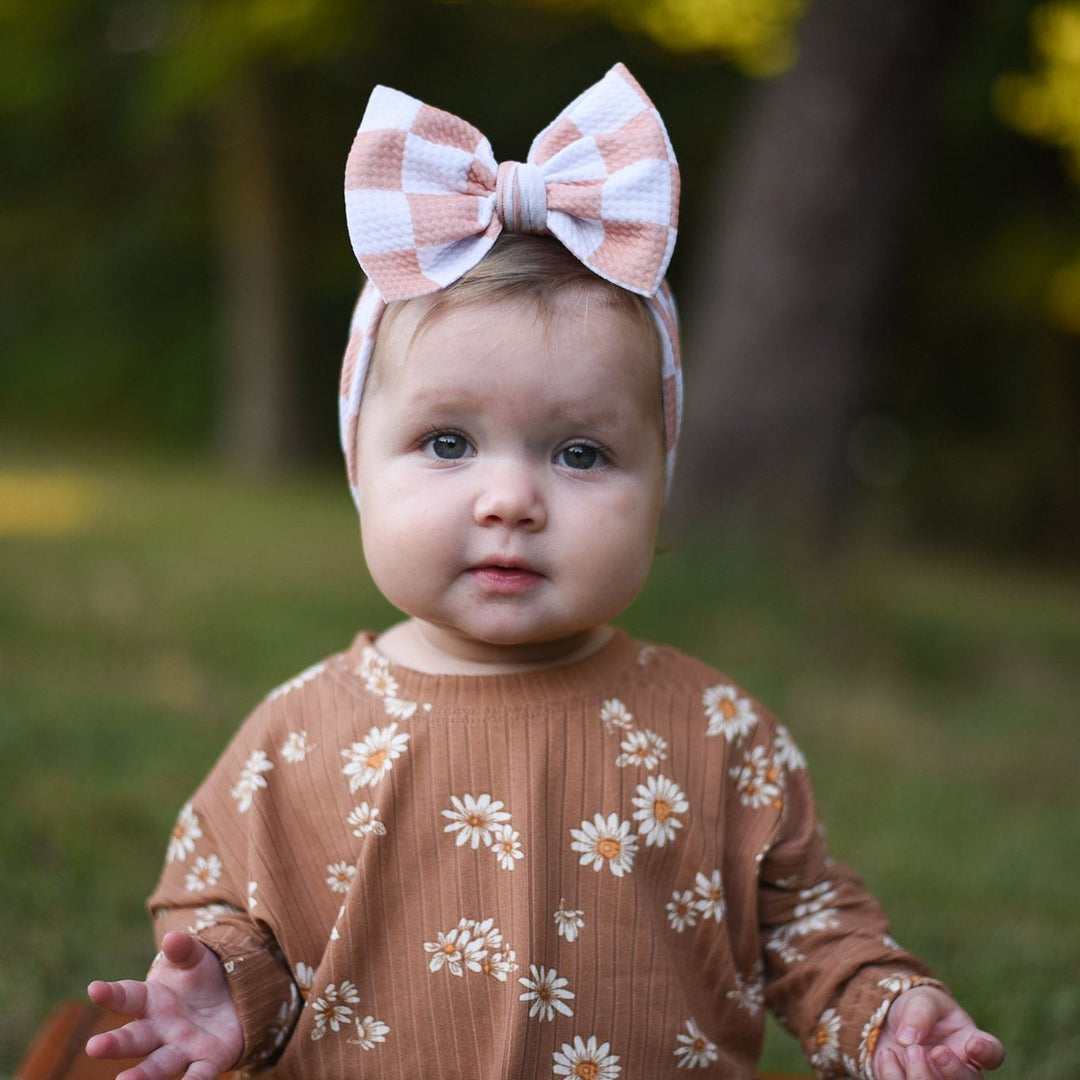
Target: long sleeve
[[831, 968], [204, 890]]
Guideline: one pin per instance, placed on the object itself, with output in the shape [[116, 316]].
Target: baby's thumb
[[918, 1014], [182, 950]]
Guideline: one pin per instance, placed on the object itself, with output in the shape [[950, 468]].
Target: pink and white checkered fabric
[[425, 199]]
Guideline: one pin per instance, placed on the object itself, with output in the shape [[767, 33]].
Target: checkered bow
[[425, 198]]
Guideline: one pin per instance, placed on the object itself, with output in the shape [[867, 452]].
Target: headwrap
[[425, 200]]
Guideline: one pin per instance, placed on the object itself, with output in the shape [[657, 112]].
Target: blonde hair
[[526, 267]]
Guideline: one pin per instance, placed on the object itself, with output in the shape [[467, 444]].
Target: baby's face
[[511, 473]]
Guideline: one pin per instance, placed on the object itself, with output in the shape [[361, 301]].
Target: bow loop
[[425, 198]]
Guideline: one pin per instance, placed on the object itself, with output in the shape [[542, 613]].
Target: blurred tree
[[789, 281]]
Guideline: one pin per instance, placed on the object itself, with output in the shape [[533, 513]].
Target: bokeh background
[[876, 518]]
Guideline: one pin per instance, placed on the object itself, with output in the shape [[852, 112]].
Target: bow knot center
[[521, 197]]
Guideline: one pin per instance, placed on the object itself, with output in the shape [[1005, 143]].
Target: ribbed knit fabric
[[605, 869]]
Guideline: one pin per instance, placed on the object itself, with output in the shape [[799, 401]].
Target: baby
[[503, 839]]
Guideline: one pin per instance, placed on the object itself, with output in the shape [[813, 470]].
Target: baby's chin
[[507, 647]]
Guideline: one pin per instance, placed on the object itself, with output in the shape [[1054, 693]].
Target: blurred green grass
[[145, 606]]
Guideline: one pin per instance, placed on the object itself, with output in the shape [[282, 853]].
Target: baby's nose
[[511, 496]]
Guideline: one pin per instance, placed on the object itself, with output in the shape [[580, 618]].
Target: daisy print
[[205, 873], [456, 950], [826, 1054], [370, 1032], [365, 821], [695, 1050], [300, 680], [868, 1039], [681, 911], [546, 992], [339, 876], [205, 917], [296, 747], [185, 832], [758, 781], [605, 842], [368, 761], [251, 779], [333, 1008], [788, 755], [710, 896], [749, 992], [658, 800], [500, 964], [374, 669], [614, 714], [568, 921], [305, 979], [506, 845], [473, 818], [644, 748], [587, 1060], [728, 714]]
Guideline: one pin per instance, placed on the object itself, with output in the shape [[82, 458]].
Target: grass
[[144, 607]]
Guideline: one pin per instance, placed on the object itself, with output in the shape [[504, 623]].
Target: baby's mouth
[[505, 579]]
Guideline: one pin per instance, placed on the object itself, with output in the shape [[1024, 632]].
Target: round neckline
[[590, 676]]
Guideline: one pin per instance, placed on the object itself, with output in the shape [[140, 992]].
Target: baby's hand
[[927, 1036], [185, 1021]]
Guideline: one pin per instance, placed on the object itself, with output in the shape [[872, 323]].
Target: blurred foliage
[[757, 35], [110, 120]]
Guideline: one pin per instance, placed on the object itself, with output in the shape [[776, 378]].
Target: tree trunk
[[788, 284], [257, 419]]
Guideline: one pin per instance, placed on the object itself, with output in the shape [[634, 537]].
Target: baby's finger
[[136, 1039], [164, 1063], [950, 1067], [127, 997], [919, 1012], [985, 1051], [889, 1067], [917, 1065]]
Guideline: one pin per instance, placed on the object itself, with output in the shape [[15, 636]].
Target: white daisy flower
[[365, 821], [399, 709], [658, 800], [587, 1060], [305, 979], [869, 1036], [205, 872], [457, 949], [498, 965], [728, 714], [251, 779], [788, 755], [369, 1031], [644, 748], [368, 761], [300, 680], [506, 845], [473, 819], [339, 876], [296, 747], [568, 921], [826, 1054], [695, 1050], [681, 911], [374, 669], [614, 714], [253, 900], [758, 780], [185, 832], [333, 1008], [205, 917], [484, 931], [710, 891], [749, 992], [605, 841], [547, 992]]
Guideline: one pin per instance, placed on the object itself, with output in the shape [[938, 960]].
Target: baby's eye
[[580, 456], [448, 446]]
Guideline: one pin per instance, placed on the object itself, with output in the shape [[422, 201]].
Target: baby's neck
[[422, 647]]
